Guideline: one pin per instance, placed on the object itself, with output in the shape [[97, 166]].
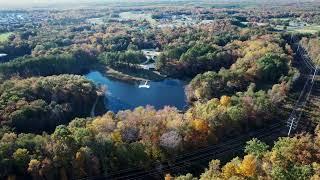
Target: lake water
[[122, 95]]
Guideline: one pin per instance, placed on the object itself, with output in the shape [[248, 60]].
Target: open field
[[137, 16], [309, 29], [312, 29]]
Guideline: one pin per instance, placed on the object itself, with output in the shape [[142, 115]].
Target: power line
[[206, 153], [296, 113], [223, 145], [207, 156]]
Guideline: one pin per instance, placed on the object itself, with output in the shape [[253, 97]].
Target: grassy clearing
[[280, 19], [98, 21], [5, 36], [309, 29], [137, 16], [312, 29]]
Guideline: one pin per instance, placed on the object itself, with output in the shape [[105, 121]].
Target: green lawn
[[311, 29], [5, 36], [137, 16]]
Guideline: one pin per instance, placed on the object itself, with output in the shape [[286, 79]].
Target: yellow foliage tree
[[34, 167], [198, 93], [225, 101], [80, 162], [248, 166], [116, 137], [120, 124], [105, 123], [231, 169], [316, 169], [200, 125]]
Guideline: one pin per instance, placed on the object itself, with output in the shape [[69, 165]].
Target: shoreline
[[112, 73], [115, 74]]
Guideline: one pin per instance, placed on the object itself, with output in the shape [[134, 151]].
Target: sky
[[50, 3], [30, 3], [39, 3]]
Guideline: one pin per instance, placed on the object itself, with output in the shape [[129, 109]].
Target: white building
[[148, 66], [151, 54]]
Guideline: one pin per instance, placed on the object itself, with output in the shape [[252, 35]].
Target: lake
[[122, 95]]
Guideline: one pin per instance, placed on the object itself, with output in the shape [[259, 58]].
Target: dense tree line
[[101, 145], [200, 47], [76, 63], [295, 157], [115, 59], [241, 78], [14, 50], [312, 46], [188, 61], [40, 104], [260, 61]]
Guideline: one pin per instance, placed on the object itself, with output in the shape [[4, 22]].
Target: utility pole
[[293, 119], [295, 116]]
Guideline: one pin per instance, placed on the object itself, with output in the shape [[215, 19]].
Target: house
[[151, 54]]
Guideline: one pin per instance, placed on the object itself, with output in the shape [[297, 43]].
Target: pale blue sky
[[28, 3], [31, 3]]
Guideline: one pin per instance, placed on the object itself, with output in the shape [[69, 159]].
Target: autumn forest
[[247, 76]]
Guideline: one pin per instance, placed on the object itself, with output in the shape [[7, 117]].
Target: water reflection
[[121, 95]]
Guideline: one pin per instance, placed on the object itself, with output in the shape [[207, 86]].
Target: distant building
[[148, 66], [151, 54]]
